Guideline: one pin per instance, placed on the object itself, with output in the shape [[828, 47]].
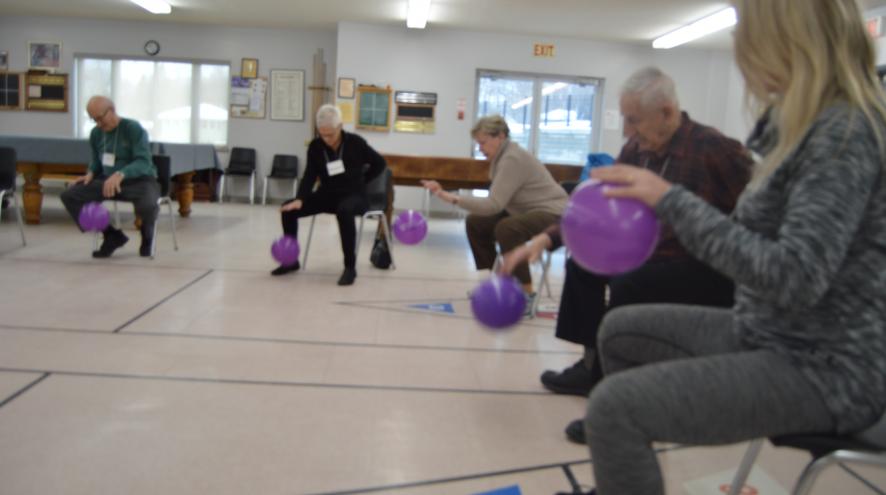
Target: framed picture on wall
[[346, 86], [44, 55], [287, 94], [249, 68]]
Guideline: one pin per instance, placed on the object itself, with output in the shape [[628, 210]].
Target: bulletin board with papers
[[248, 96]]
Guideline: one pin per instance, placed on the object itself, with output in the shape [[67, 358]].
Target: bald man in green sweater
[[121, 168]]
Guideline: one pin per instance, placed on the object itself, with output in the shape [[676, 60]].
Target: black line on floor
[[24, 389], [436, 481], [278, 383], [170, 296], [874, 488], [373, 273], [274, 340], [523, 323]]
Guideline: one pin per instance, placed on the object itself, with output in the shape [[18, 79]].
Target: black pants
[[683, 281], [344, 206], [142, 192]]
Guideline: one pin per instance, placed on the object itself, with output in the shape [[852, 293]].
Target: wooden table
[[457, 173], [66, 158]]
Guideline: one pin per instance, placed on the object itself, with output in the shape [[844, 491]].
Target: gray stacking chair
[[284, 167], [865, 448], [240, 164], [7, 185], [377, 192]]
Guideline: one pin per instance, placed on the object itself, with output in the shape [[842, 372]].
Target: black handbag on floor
[[380, 256]]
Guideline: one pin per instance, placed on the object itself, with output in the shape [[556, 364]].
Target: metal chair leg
[[744, 469], [221, 188], [172, 220], [252, 189], [264, 192], [304, 261], [18, 217], [359, 238]]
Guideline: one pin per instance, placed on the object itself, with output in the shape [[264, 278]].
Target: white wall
[[445, 62], [274, 49], [435, 60]]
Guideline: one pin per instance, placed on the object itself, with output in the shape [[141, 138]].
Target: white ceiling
[[631, 21]]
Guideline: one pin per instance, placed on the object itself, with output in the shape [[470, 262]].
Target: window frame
[[538, 79], [194, 90]]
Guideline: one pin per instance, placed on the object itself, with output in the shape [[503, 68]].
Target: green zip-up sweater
[[129, 143]]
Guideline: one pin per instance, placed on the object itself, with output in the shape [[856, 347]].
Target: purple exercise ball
[[608, 236], [410, 227], [498, 302], [94, 217], [285, 250]]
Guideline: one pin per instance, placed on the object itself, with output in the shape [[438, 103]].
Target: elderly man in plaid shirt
[[666, 141]]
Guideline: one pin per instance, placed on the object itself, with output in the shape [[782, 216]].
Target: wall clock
[[152, 47]]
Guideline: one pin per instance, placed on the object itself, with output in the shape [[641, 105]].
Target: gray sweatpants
[[142, 192], [680, 374]]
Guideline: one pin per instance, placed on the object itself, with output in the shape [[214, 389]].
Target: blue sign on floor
[[508, 490], [437, 308]]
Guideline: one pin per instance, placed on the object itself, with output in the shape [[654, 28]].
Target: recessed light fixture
[[702, 27], [154, 6], [417, 13]]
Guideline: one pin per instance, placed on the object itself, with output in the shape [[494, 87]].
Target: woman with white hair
[[337, 160]]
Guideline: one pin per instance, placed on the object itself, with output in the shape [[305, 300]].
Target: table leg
[[32, 196], [184, 192]]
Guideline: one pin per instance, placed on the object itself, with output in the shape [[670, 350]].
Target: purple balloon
[[410, 227], [94, 217], [498, 302], [285, 250], [608, 236]]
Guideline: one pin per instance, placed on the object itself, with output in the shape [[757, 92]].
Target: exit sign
[[541, 50]]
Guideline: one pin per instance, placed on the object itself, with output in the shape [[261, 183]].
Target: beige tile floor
[[199, 373]]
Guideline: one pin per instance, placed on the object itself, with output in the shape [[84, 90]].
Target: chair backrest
[[7, 168], [163, 165], [242, 160], [875, 435], [284, 166], [377, 190]]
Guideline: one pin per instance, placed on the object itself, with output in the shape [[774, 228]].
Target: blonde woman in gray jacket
[[804, 348], [524, 199]]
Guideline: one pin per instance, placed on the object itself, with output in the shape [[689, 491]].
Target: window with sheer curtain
[[550, 116], [176, 102]]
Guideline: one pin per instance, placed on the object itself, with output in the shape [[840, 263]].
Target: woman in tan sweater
[[523, 200]]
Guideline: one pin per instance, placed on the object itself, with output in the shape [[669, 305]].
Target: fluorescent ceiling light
[[702, 27], [417, 13], [154, 6]]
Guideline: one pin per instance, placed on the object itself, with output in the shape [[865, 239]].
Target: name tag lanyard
[[340, 152], [105, 148]]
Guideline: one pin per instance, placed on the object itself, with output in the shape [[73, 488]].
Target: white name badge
[[335, 167], [108, 159]]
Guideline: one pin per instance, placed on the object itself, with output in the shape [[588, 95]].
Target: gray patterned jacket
[[807, 251]]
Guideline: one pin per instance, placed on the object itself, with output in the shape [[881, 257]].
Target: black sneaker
[[575, 432], [347, 277], [592, 492], [574, 380], [113, 239], [284, 269]]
